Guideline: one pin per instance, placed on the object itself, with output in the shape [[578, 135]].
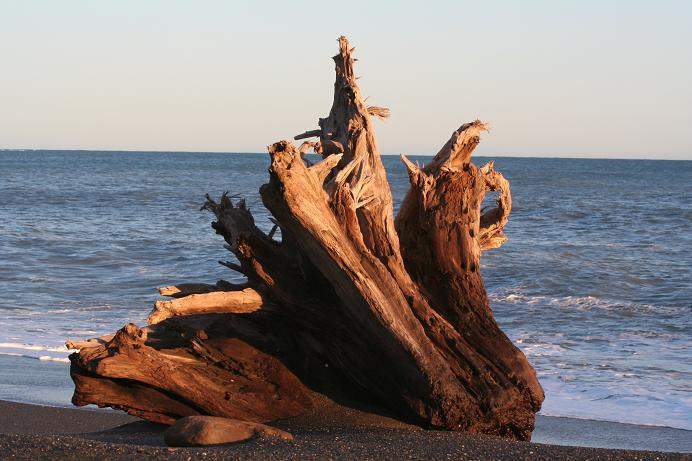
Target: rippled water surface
[[594, 285]]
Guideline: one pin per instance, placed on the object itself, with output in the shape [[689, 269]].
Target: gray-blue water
[[594, 285]]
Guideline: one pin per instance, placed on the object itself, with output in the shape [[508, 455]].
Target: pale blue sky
[[553, 78]]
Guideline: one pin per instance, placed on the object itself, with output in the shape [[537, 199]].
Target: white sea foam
[[36, 352], [564, 398], [541, 350], [32, 347], [43, 358], [517, 296], [601, 357], [48, 358]]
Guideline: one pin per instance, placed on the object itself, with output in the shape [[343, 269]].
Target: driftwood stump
[[350, 302]]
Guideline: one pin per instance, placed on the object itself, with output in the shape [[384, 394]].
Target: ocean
[[594, 285]]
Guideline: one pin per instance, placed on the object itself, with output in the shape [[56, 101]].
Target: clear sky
[[553, 78]]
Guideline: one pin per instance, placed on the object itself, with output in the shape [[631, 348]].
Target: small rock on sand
[[195, 431]]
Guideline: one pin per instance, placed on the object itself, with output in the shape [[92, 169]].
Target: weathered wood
[[203, 368], [308, 134], [350, 301], [213, 302], [490, 233], [380, 112], [92, 342]]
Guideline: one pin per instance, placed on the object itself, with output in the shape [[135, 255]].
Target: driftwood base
[[349, 302]]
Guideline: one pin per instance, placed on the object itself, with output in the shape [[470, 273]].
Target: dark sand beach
[[330, 432]]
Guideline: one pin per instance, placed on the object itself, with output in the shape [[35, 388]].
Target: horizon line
[[566, 156]]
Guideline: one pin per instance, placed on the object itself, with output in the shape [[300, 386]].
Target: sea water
[[594, 284]]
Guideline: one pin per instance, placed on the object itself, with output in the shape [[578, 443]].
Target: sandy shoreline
[[331, 432]]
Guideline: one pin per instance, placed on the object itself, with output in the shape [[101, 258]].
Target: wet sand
[[330, 432]]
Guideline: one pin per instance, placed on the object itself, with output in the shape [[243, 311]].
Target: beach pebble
[[195, 431]]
